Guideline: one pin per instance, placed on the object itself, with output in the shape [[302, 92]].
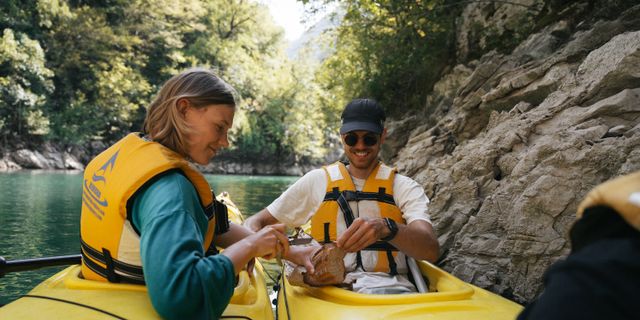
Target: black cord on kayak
[[276, 288], [284, 293], [74, 303]]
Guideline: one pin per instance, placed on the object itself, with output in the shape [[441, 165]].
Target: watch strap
[[393, 227]]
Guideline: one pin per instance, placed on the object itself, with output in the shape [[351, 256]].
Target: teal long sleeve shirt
[[182, 282]]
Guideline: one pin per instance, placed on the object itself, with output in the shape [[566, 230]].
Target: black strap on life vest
[[343, 198], [380, 246], [115, 271], [327, 237], [348, 218], [380, 196], [221, 213], [346, 209], [385, 246], [393, 267], [112, 276], [210, 210]]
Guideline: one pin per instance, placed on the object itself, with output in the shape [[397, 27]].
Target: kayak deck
[[448, 298], [67, 296]]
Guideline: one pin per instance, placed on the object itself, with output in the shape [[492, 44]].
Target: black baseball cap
[[363, 114]]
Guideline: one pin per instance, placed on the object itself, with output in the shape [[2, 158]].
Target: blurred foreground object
[[601, 276]]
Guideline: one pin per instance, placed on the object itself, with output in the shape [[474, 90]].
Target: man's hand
[[362, 233], [417, 239]]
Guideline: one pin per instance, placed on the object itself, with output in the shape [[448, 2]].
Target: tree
[[24, 84], [390, 50], [94, 66]]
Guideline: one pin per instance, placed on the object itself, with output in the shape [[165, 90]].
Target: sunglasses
[[351, 139]]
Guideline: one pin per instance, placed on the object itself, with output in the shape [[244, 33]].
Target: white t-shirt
[[299, 202]]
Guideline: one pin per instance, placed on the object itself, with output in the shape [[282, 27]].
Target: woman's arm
[[182, 282], [244, 245], [233, 235]]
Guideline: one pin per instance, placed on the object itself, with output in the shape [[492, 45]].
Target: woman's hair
[[200, 87]]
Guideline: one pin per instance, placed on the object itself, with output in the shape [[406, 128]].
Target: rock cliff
[[509, 143]]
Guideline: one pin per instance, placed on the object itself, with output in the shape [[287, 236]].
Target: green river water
[[40, 211]]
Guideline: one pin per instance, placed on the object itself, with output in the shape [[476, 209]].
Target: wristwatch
[[393, 227]]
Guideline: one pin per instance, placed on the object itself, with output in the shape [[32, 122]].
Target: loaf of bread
[[329, 266]]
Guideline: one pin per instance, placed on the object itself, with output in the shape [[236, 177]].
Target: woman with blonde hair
[[149, 217]]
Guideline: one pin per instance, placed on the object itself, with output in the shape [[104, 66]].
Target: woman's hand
[[302, 256], [269, 242]]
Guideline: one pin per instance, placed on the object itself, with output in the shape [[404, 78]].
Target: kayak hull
[[449, 298]]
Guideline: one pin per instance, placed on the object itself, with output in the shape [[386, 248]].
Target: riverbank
[[49, 156]]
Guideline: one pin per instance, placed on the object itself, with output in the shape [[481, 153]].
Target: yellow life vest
[[110, 243], [376, 195], [621, 194]]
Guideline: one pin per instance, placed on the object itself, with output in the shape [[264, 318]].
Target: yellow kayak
[[67, 296], [448, 298]]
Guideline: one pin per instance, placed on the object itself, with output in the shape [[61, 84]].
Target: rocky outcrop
[[513, 142], [46, 157], [487, 24]]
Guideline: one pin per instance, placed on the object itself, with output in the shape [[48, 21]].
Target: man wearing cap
[[373, 213]]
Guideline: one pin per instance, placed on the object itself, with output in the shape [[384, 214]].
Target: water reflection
[[250, 193]]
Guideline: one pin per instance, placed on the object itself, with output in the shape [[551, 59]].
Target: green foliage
[[278, 118], [76, 70], [505, 38], [96, 72], [103, 61], [24, 85], [391, 50], [160, 30], [19, 16]]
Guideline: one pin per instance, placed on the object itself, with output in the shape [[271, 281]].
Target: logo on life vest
[[92, 196]]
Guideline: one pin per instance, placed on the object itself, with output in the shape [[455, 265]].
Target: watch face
[[394, 226]]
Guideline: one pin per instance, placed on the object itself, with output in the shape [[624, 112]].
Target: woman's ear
[[183, 105]]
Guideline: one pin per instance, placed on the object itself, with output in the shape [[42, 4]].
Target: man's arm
[[260, 220], [294, 206], [416, 240], [233, 235]]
